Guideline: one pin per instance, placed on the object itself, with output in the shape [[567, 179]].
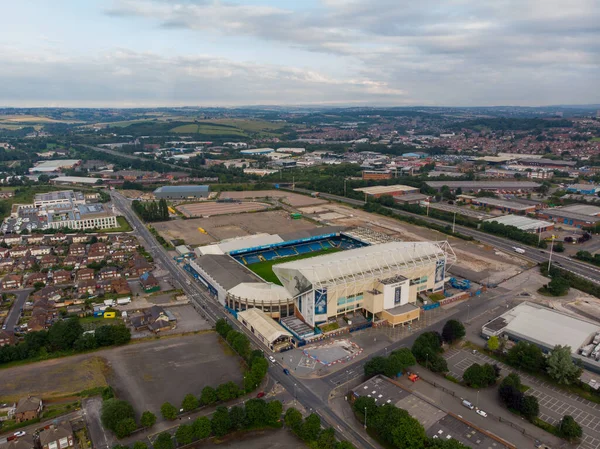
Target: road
[[535, 255], [15, 312], [212, 311]]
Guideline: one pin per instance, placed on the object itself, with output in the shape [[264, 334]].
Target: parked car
[[482, 413], [20, 433], [260, 394], [272, 359], [468, 404], [286, 371]]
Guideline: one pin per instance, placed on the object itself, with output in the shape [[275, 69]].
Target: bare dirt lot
[[210, 209], [53, 378], [228, 226], [149, 374], [293, 199]]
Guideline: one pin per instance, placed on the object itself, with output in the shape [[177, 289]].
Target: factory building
[[182, 192]]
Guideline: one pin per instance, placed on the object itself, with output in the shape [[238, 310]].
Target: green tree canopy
[[114, 411], [569, 428], [220, 422], [168, 411], [202, 427], [560, 365], [148, 419], [453, 331], [526, 356], [163, 441], [189, 403]]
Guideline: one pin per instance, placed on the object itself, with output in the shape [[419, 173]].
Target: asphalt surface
[[535, 255], [212, 311], [15, 312]]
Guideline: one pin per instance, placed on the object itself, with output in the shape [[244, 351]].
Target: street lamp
[[550, 258], [453, 222], [427, 361], [294, 393], [365, 418]]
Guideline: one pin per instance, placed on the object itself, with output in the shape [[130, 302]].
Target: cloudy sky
[[335, 52]]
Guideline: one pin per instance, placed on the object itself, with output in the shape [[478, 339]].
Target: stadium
[[315, 276]]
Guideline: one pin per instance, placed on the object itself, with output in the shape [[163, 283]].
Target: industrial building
[[377, 191], [182, 192], [381, 280], [70, 180], [55, 166], [583, 189], [475, 186], [376, 174], [511, 207], [257, 151], [523, 223], [575, 215], [546, 328], [60, 197]]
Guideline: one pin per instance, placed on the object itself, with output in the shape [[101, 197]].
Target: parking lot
[[554, 402]]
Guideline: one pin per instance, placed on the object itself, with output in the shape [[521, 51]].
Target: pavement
[[15, 312]]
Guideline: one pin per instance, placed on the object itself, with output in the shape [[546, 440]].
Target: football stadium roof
[[367, 262]]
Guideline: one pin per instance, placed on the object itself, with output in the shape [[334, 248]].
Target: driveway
[[15, 313]]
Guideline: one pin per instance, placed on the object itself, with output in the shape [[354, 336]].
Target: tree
[[344, 445], [493, 343], [125, 427], [529, 407], [227, 391], [168, 411], [114, 411], [274, 411], [569, 429], [526, 356], [426, 345], [375, 366], [202, 427], [189, 403], [293, 419], [185, 434], [481, 376], [140, 445], [148, 419], [311, 428], [63, 334], [558, 286], [208, 396], [163, 441], [559, 247], [398, 362], [560, 365], [256, 412], [237, 416], [221, 423], [327, 439], [453, 331]]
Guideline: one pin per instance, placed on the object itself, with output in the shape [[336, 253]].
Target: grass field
[[17, 118], [595, 139], [265, 269], [210, 129], [250, 125]]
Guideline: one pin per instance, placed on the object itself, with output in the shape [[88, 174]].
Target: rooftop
[[504, 203], [225, 270], [266, 326], [182, 189], [511, 185], [55, 165], [523, 223], [584, 209], [75, 179], [378, 190]]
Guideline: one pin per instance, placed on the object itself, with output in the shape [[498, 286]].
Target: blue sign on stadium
[[321, 301]]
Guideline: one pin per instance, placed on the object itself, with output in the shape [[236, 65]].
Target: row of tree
[[574, 281], [309, 430], [393, 365], [150, 211], [396, 428], [513, 233], [64, 336]]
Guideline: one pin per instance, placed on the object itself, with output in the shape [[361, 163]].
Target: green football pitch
[[265, 269]]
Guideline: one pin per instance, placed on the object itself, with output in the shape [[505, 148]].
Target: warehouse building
[[55, 166], [71, 180], [182, 192], [546, 328], [523, 223], [583, 189], [575, 215], [377, 191], [381, 280], [490, 186], [511, 207], [266, 329], [376, 174], [257, 151]]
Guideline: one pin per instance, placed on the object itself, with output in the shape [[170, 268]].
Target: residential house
[[35, 239], [79, 238], [40, 250], [28, 408], [77, 249], [12, 239], [86, 287], [57, 436], [149, 282], [109, 273], [59, 237], [4, 253], [35, 278], [26, 263], [7, 264], [138, 266], [98, 247], [95, 256], [71, 261], [6, 338], [12, 281], [120, 286], [85, 274], [48, 261], [62, 277], [119, 256], [155, 319], [19, 251], [22, 442]]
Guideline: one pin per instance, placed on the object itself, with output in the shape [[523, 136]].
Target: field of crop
[[30, 119], [265, 269]]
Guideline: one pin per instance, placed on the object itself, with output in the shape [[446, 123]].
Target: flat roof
[[523, 223], [306, 233], [504, 203], [561, 213], [546, 327], [485, 184], [260, 292], [182, 189], [411, 197], [583, 187], [548, 162], [264, 325], [374, 190], [55, 164], [75, 179], [225, 270], [584, 209]]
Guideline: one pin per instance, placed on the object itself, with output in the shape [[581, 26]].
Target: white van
[[467, 404]]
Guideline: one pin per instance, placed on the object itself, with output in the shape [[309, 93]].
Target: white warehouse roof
[[521, 222], [237, 243], [260, 292], [264, 325]]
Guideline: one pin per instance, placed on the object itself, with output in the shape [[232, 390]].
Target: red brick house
[[34, 278], [12, 281], [84, 274], [6, 338], [28, 408], [62, 277], [59, 436]]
